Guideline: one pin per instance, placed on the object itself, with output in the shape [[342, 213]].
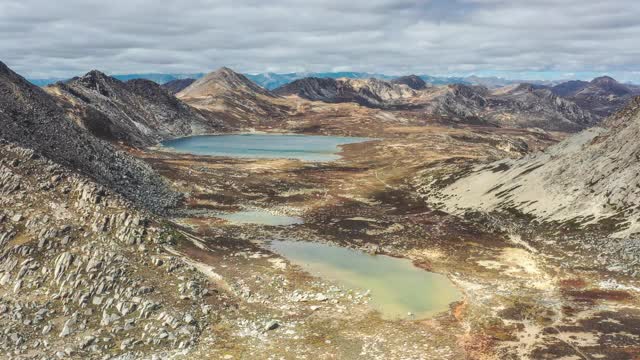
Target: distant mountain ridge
[[602, 95], [175, 86], [158, 77], [270, 80], [518, 105], [240, 100], [368, 92]]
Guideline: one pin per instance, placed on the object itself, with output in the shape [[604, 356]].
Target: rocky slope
[[603, 96], [175, 86], [137, 112], [588, 178], [569, 88], [367, 92], [412, 81], [83, 275], [234, 98], [33, 119]]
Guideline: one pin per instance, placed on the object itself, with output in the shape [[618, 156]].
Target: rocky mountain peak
[[413, 81], [96, 76], [312, 88], [609, 84], [227, 71], [603, 95], [221, 81], [4, 69], [97, 81], [604, 80], [151, 90]]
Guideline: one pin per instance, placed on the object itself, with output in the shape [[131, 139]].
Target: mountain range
[[270, 80], [518, 105], [138, 112], [368, 92]]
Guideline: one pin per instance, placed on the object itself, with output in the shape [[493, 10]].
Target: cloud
[[43, 38]]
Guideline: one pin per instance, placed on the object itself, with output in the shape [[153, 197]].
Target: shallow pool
[[397, 287], [291, 146]]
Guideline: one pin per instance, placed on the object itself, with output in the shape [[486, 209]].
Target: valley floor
[[525, 296]]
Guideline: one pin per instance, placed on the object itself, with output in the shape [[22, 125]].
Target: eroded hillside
[[588, 178]]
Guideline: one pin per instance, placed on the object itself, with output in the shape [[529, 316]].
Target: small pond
[[397, 287]]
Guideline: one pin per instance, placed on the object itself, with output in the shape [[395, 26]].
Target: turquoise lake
[[396, 286], [273, 146]]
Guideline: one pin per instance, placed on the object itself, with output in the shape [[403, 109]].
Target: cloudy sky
[[511, 38]]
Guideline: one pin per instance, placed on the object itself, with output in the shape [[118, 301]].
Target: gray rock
[[272, 325]]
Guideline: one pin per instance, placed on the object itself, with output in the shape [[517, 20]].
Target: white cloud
[[41, 38]]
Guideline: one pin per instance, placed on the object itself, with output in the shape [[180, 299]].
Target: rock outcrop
[[77, 279]]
